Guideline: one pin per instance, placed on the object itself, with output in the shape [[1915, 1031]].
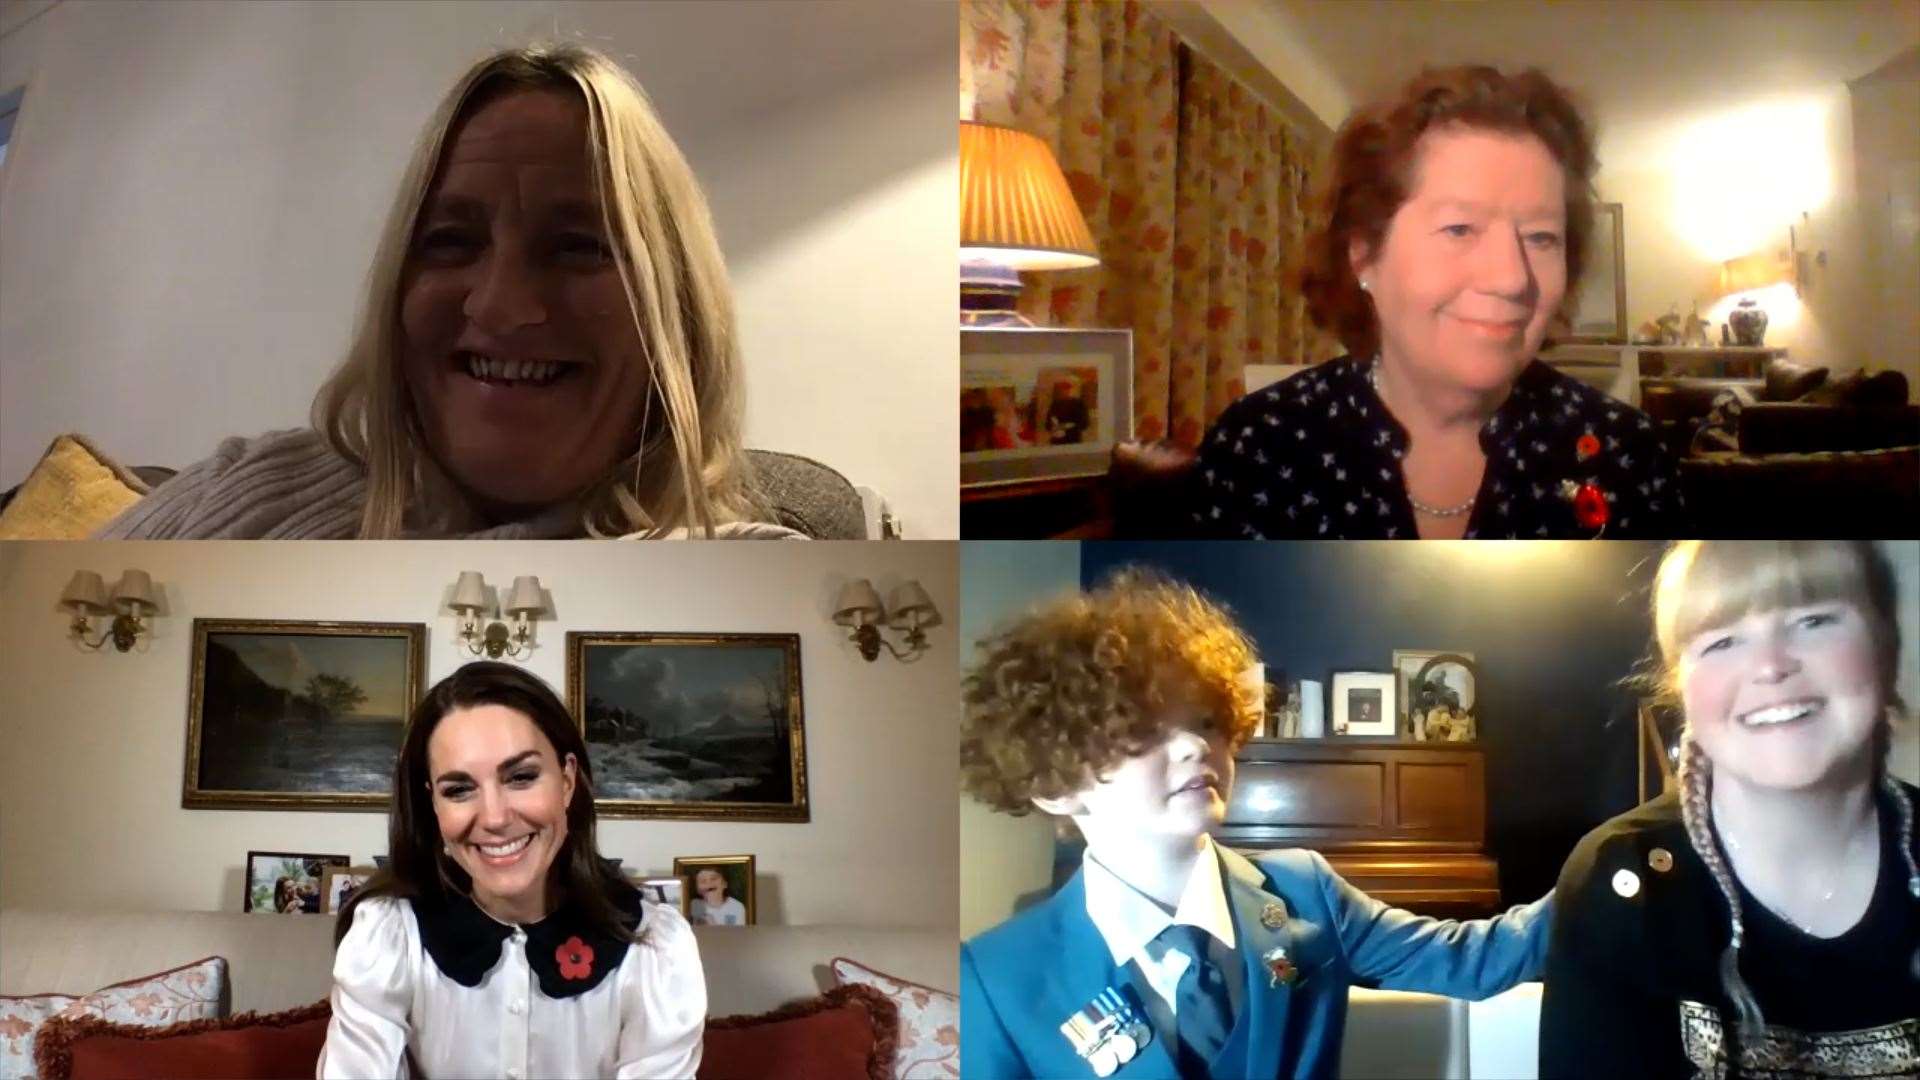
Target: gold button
[[1660, 859]]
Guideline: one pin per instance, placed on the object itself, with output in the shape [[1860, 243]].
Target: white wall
[[194, 191], [90, 781], [1004, 857], [1887, 153]]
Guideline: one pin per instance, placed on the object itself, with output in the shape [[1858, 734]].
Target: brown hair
[[1374, 162], [1072, 688], [1702, 585], [418, 867]]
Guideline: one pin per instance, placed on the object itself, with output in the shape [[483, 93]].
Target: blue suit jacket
[[1021, 979]]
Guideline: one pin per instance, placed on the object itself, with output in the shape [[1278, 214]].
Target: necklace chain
[[1733, 845], [1373, 376]]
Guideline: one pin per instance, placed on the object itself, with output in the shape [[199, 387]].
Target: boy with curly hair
[[1168, 955]]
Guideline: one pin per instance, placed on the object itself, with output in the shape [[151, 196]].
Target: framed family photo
[[671, 891], [1040, 403], [287, 882], [691, 726], [338, 885], [721, 889], [298, 715], [1363, 703], [1438, 694]]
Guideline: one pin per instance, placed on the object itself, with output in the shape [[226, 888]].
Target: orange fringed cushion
[[250, 1046], [849, 1031]]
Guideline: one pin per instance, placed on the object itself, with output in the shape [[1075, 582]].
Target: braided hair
[[1779, 575]]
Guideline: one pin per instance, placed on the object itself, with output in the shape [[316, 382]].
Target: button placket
[[516, 979]]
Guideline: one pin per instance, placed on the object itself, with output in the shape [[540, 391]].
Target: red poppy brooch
[[1280, 967], [575, 958], [1590, 507], [1587, 446]]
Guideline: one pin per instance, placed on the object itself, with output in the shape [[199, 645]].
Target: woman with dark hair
[[1764, 920], [498, 942], [1454, 222]]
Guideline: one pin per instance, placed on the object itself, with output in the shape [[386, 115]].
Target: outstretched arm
[[1398, 950]]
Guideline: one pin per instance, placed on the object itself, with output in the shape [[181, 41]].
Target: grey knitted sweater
[[290, 485]]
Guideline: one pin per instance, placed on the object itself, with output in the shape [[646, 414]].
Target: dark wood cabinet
[[1404, 822]]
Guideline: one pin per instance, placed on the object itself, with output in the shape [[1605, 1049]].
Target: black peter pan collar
[[567, 954]]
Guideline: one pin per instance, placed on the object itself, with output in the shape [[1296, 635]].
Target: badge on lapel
[[1109, 1030], [1281, 970]]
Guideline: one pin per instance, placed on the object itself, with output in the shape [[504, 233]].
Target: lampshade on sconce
[[85, 595], [85, 598], [912, 610], [524, 603], [1016, 213]]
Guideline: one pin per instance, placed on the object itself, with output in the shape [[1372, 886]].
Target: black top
[[1633, 985], [567, 954], [1317, 455]]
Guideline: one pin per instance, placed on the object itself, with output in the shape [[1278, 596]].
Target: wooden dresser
[[1405, 822]]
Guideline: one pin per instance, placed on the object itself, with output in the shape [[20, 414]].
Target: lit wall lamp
[[496, 639], [86, 599], [912, 611]]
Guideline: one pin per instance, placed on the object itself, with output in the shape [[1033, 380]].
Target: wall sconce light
[[497, 639], [86, 599], [912, 611]]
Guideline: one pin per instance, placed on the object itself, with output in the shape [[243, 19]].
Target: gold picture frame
[[741, 880], [334, 878], [721, 718], [264, 692]]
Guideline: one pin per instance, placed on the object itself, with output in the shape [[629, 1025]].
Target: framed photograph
[[1448, 684], [671, 891], [298, 715], [287, 882], [338, 885], [1657, 748], [1042, 404], [691, 726], [1599, 314], [1363, 703], [1440, 705], [720, 887]]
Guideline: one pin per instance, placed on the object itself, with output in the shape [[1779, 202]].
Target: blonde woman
[[546, 345], [1764, 920]]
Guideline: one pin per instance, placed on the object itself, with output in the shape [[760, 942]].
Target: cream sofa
[[280, 961]]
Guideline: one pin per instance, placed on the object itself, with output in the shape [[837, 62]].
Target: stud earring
[[1365, 286]]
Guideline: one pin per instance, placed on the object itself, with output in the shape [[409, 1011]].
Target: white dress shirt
[[1129, 921], [391, 1001], [728, 912]]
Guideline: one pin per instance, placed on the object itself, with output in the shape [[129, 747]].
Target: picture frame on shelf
[[671, 891], [720, 889], [691, 726], [1039, 403], [1460, 681], [1363, 704], [286, 882], [285, 715], [338, 885]]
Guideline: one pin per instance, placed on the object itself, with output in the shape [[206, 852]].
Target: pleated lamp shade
[[1015, 207]]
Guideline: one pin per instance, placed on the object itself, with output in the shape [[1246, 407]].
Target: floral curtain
[[1191, 186]]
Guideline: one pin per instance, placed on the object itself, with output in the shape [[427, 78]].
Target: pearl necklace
[[1373, 377]]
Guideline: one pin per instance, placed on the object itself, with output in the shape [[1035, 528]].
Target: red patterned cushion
[[272, 1046], [849, 1031], [929, 1046]]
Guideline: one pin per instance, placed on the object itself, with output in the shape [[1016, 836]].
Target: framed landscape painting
[[298, 715], [691, 726]]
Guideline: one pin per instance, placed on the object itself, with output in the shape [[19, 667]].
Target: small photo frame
[[720, 889], [1363, 704], [1456, 680], [287, 882], [337, 886], [670, 891], [1040, 403]]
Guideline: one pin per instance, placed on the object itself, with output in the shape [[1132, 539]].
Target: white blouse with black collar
[[457, 994]]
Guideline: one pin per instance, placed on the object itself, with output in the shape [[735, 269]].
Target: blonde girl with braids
[[545, 348], [1763, 920]]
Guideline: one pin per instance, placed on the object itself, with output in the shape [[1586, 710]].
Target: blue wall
[[1554, 627]]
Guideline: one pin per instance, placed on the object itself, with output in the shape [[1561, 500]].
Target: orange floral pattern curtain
[[1191, 186]]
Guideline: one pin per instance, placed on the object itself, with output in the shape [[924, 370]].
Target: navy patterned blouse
[[1317, 456]]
